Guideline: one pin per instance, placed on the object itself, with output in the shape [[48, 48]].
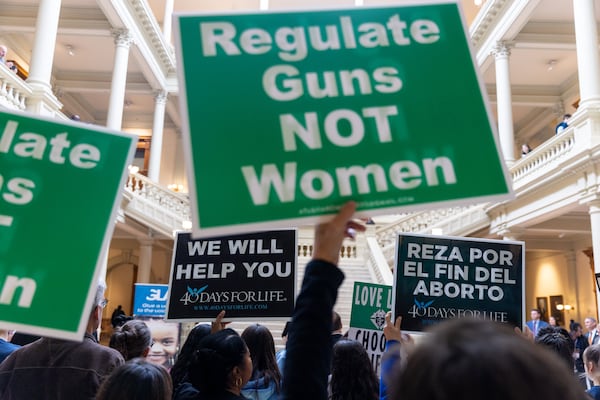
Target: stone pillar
[[145, 261], [123, 41], [504, 103], [588, 60], [179, 175], [571, 258], [594, 210], [168, 20], [160, 100], [42, 100]]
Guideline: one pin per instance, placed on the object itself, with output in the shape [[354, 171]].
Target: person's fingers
[[388, 318], [345, 213], [356, 225], [398, 322]]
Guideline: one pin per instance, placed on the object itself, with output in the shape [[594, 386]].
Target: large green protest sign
[[287, 115], [445, 277], [370, 303], [60, 184]]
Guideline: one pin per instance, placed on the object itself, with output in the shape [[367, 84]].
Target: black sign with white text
[[250, 276], [443, 277]]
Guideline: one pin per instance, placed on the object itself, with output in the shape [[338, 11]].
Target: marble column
[[160, 102], [588, 60], [42, 100], [167, 20], [123, 41], [145, 261], [504, 102], [594, 210]]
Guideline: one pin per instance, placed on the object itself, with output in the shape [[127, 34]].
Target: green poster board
[[288, 115], [370, 303], [60, 186]]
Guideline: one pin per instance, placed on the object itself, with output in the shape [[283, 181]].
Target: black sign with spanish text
[[443, 277], [250, 276]]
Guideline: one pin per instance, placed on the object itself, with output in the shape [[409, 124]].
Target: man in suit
[[592, 330], [536, 323]]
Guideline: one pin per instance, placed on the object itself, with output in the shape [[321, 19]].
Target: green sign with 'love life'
[[287, 115], [60, 186]]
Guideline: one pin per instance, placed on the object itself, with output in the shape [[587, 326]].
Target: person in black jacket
[[308, 353]]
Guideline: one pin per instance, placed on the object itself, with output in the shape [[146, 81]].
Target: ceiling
[[82, 76], [82, 80]]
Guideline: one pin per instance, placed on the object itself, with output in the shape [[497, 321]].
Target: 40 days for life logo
[[200, 295]]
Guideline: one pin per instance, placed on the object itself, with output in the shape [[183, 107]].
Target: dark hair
[[336, 321], [352, 375], [137, 380], [131, 339], [260, 342], [559, 341], [592, 353], [214, 360], [180, 368], [474, 359]]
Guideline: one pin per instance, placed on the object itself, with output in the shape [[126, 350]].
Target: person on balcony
[[563, 124]]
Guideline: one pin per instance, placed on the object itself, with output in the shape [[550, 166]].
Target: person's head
[[557, 339], [566, 117], [576, 330], [260, 342], [525, 148], [3, 50], [590, 323], [98, 305], [165, 339], [132, 340], [352, 374], [180, 368], [222, 363], [591, 361], [472, 359], [535, 314], [137, 380], [552, 321], [336, 322]]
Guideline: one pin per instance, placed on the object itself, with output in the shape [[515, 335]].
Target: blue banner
[[150, 300]]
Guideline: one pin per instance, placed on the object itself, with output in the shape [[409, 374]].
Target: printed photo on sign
[[370, 303], [443, 277], [250, 276], [346, 104], [165, 341]]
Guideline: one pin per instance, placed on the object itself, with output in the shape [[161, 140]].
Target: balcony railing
[[13, 90]]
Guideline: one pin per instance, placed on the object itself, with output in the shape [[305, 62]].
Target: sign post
[[287, 115], [444, 277], [60, 186]]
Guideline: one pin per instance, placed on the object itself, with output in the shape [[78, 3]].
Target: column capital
[[122, 37], [160, 96], [502, 49]]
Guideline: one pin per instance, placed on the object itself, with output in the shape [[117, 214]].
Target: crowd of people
[[458, 359]]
